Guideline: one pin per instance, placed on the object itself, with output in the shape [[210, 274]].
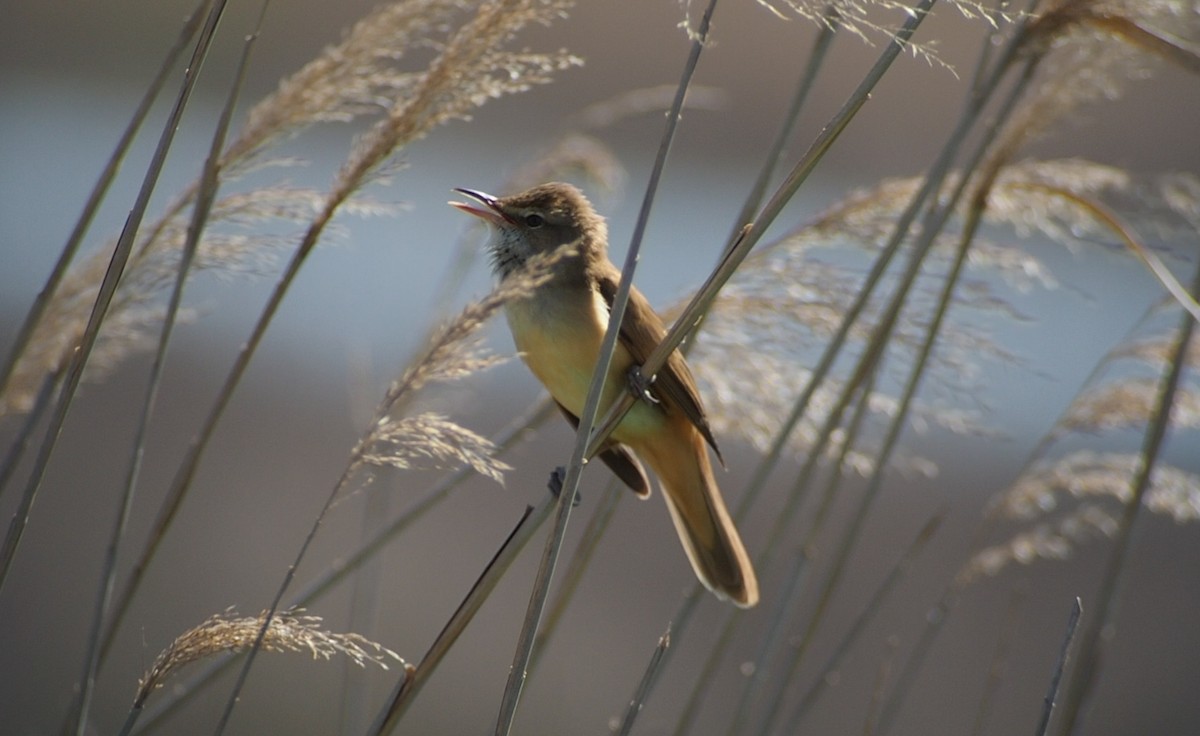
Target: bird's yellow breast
[[558, 332]]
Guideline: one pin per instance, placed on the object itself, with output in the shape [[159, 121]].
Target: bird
[[558, 329]]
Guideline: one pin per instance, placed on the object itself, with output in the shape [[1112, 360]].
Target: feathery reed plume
[[856, 18], [1127, 403], [448, 356], [469, 70], [290, 631], [241, 247], [787, 300], [356, 77], [428, 439], [432, 441], [359, 76], [1086, 477], [1093, 48]]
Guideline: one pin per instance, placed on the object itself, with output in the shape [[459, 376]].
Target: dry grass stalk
[[227, 633]]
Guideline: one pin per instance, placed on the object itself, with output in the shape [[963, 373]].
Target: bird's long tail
[[705, 528]]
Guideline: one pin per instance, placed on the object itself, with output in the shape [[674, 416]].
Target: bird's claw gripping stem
[[639, 385], [556, 486]]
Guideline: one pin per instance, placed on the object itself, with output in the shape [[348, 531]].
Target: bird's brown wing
[[619, 459], [641, 332]]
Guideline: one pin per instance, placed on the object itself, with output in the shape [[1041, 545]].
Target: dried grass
[[289, 632]]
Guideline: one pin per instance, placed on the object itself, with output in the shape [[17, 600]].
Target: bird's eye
[[535, 220]]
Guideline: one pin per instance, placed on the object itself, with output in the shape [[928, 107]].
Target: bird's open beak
[[490, 212]]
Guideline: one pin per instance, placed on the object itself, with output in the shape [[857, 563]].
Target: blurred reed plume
[[849, 360], [228, 633]]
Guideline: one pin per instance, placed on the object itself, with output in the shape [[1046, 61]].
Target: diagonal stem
[[413, 680], [108, 288], [587, 420], [99, 190], [1091, 646], [210, 180]]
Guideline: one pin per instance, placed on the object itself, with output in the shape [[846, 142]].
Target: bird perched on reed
[[558, 330]]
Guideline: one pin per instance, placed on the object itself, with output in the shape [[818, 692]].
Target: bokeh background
[[69, 76]]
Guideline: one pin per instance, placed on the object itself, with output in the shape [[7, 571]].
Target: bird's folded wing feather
[[620, 460], [641, 332]]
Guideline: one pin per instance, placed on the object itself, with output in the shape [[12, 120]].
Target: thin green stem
[[588, 543], [999, 663], [775, 154], [17, 449], [808, 544], [775, 699], [865, 616], [1059, 667]]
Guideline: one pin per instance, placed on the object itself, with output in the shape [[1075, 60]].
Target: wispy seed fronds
[[1032, 198], [777, 381], [431, 441], [786, 300], [865, 218], [352, 78], [1023, 198], [1158, 350], [470, 69], [858, 17], [1046, 541], [1093, 49], [238, 242], [358, 76], [1129, 403], [451, 352], [1090, 475], [227, 633], [1087, 479]]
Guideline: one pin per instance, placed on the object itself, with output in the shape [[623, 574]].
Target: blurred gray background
[[69, 76]]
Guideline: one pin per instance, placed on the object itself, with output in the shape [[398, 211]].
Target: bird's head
[[536, 221]]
